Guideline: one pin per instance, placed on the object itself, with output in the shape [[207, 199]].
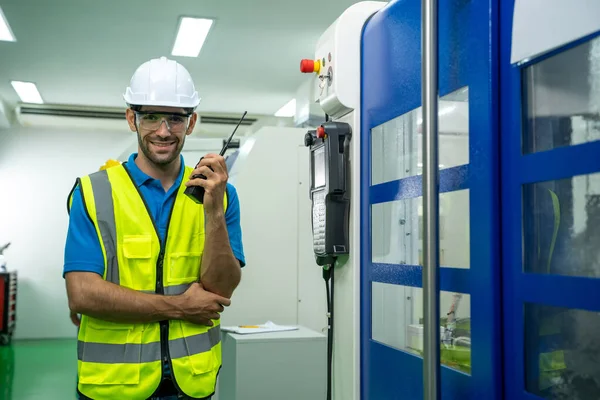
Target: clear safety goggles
[[151, 121]]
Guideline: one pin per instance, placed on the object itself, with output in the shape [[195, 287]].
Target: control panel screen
[[318, 170]]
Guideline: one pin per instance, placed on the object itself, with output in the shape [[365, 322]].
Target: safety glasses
[[151, 121]]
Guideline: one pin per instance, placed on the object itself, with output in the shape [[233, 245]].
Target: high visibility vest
[[124, 361]]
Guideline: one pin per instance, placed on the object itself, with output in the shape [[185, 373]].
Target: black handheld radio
[[196, 193]]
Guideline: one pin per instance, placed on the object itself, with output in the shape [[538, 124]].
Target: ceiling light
[[289, 110], [191, 36], [28, 92], [5, 31]]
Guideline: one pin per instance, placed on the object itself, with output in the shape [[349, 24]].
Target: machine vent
[[211, 119], [68, 112], [120, 114]]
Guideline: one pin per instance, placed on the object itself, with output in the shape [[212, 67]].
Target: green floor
[[40, 370]]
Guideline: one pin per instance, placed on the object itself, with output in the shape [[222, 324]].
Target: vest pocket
[[140, 270], [184, 267], [112, 354], [137, 246]]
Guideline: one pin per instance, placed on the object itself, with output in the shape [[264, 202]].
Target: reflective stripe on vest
[[124, 360], [105, 217], [135, 353], [171, 290]]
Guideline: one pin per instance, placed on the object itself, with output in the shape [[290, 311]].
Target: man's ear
[[130, 115], [193, 120]]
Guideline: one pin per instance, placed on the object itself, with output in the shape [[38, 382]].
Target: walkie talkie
[[196, 193]]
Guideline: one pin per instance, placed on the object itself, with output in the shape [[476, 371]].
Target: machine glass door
[[551, 221], [392, 205]]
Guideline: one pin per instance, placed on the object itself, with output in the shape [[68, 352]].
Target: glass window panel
[[562, 352], [398, 226], [396, 145], [561, 226], [397, 321], [562, 99]]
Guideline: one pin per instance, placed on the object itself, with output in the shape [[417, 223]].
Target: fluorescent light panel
[[191, 36], [289, 110], [28, 92], [5, 31]]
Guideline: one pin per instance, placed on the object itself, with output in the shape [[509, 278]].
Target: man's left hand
[[75, 318], [214, 168]]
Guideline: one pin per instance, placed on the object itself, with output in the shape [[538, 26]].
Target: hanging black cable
[[328, 276], [331, 335]]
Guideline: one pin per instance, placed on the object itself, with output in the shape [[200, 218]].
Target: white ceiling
[[83, 52]]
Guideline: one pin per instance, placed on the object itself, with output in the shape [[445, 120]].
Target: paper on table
[[264, 328]]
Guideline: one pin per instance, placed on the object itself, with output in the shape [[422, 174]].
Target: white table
[[290, 365]]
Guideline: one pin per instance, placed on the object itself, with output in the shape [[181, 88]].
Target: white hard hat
[[162, 82]]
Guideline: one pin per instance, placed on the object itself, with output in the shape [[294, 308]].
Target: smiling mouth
[[162, 144]]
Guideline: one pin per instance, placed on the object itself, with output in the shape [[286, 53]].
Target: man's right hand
[[200, 306]]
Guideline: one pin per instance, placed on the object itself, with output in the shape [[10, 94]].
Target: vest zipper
[[165, 327], [160, 289]]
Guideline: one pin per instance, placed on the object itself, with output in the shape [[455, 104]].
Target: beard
[[157, 157]]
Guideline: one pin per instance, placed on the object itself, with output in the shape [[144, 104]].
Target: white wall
[[278, 283], [4, 134], [37, 170]]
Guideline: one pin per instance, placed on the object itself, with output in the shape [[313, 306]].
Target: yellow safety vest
[[124, 361]]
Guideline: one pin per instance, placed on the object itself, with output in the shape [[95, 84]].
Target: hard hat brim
[[136, 102]]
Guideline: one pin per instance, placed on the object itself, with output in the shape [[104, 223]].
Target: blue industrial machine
[[519, 202]]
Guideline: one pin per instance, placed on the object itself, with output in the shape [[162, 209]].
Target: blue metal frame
[[518, 169], [391, 86]]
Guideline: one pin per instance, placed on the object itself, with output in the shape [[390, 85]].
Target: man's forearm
[[221, 272], [91, 295]]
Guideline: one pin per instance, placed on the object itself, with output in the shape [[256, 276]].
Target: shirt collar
[[140, 177]]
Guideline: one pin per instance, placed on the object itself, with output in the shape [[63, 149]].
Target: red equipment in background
[[8, 305]]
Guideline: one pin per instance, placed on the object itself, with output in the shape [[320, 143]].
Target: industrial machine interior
[[341, 200]]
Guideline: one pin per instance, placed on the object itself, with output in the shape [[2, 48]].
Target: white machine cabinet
[[290, 365]]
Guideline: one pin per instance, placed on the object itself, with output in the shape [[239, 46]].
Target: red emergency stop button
[[321, 132], [307, 66], [310, 66]]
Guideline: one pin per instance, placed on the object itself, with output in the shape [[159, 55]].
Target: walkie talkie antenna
[[222, 153], [196, 193]]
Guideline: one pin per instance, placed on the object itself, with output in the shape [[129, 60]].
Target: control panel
[[336, 63]]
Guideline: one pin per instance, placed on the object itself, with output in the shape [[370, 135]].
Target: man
[[149, 269]]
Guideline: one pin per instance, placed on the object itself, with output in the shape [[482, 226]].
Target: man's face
[[156, 142]]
